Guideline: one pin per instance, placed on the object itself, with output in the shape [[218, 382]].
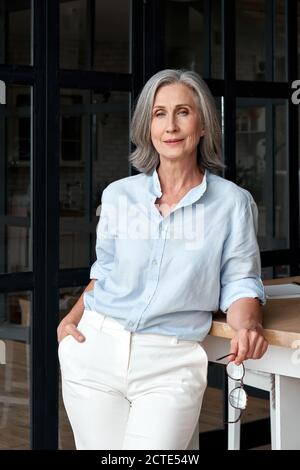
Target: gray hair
[[145, 157]]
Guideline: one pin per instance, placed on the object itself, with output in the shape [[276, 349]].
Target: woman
[[174, 243]]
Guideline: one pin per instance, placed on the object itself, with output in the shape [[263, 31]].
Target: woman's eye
[[162, 114]]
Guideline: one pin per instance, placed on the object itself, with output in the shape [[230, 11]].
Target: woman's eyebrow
[[177, 106]]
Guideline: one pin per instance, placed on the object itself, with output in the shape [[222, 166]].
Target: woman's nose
[[171, 124]]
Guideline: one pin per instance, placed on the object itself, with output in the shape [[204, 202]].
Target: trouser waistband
[[101, 321]]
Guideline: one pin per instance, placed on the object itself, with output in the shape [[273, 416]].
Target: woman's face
[[175, 125]]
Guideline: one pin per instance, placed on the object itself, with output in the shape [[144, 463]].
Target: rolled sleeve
[[105, 242], [240, 274]]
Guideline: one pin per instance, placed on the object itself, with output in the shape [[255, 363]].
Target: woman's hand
[[68, 326], [248, 344]]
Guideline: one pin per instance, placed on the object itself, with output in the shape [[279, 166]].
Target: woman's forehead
[[176, 93]]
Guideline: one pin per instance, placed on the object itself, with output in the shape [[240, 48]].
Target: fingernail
[[80, 338]]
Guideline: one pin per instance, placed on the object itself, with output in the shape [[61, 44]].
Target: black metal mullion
[[229, 72], [88, 121], [293, 144], [262, 89], [73, 277], [98, 81], [88, 166], [14, 282], [217, 87], [44, 403], [17, 74], [38, 327], [52, 225], [278, 257]]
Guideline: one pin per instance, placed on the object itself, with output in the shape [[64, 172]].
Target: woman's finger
[[234, 346], [258, 351], [265, 347], [71, 329], [243, 347], [253, 339]]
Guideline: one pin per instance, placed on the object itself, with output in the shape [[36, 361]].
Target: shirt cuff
[[230, 293]]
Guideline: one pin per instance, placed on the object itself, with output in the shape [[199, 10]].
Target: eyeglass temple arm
[[223, 357]]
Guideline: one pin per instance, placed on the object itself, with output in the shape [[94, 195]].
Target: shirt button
[[154, 262], [131, 323]]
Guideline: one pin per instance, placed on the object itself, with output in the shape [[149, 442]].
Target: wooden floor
[[14, 405]]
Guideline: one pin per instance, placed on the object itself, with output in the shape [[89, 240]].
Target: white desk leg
[[234, 430], [273, 412], [287, 411]]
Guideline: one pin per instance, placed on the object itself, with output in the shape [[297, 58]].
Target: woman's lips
[[174, 142]]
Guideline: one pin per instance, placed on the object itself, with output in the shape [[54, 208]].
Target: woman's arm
[[245, 317], [68, 325]]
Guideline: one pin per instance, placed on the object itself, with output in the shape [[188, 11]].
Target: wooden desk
[[282, 323]]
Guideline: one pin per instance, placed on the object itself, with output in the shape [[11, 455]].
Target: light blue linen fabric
[[166, 275]]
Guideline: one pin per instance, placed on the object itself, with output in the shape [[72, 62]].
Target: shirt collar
[[191, 196]]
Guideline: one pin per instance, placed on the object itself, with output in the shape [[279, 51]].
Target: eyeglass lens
[[238, 398], [235, 372]]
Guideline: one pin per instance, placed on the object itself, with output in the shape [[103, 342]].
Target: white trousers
[[124, 390]]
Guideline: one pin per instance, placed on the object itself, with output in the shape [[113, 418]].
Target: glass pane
[[111, 146], [216, 39], [111, 43], [262, 166], [250, 47], [68, 296], [15, 32], [282, 271], [94, 152], [275, 272], [97, 39], [73, 31], [15, 180], [267, 273], [15, 312], [184, 35], [74, 149], [281, 190], [280, 41]]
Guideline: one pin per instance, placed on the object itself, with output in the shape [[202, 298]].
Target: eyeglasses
[[238, 396]]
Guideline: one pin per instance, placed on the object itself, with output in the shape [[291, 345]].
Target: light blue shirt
[[166, 275]]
